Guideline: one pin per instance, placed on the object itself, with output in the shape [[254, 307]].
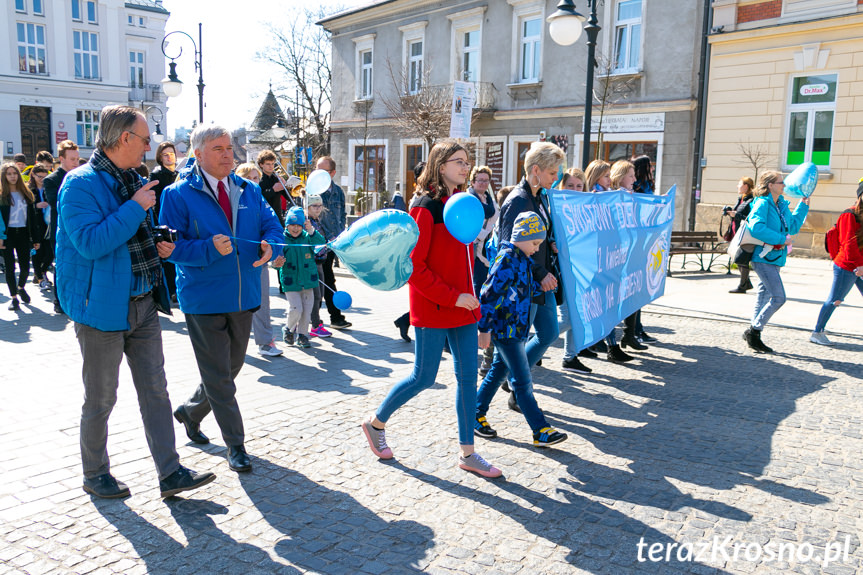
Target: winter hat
[[295, 216], [860, 189], [315, 200], [527, 227]]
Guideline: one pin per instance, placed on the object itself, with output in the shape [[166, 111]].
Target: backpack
[[831, 239]]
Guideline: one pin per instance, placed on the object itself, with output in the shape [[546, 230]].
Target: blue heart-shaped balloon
[[802, 181], [377, 249]]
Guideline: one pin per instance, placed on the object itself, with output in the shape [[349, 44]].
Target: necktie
[[225, 203]]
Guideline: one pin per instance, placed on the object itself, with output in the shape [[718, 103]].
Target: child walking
[[314, 209], [505, 304], [299, 275]]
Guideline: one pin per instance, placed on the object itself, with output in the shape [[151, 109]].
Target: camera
[[726, 209], [164, 234]]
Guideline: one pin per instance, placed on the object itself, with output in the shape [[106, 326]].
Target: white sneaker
[[819, 338], [270, 349]]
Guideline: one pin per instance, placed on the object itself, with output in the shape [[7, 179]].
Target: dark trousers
[[43, 259], [330, 279], [102, 352], [220, 342], [18, 245], [169, 271]]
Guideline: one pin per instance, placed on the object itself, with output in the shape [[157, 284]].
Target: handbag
[[728, 234], [742, 245]]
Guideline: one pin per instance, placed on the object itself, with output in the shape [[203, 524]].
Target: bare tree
[[301, 50], [609, 91], [424, 113], [754, 155]]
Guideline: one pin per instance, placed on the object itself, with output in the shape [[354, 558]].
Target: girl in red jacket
[[847, 265], [443, 308]]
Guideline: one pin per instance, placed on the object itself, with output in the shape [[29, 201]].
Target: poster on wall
[[494, 160], [463, 99]]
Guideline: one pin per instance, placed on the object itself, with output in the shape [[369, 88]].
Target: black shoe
[[738, 289], [238, 459], [505, 386], [58, 309], [748, 285], [106, 487], [600, 347], [632, 341], [539, 363], [644, 338], [753, 339], [574, 364], [14, 305], [587, 352], [22, 293], [288, 337], [617, 355], [340, 324], [481, 428], [193, 430], [512, 403], [184, 480], [403, 323]]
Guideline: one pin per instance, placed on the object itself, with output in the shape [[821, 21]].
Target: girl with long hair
[[443, 307], [23, 230], [644, 183], [847, 265], [745, 188]]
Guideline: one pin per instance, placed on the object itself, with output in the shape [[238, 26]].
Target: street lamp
[[564, 27], [172, 86], [157, 135]]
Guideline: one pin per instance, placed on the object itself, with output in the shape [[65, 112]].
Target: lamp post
[[172, 86], [157, 134], [564, 27]]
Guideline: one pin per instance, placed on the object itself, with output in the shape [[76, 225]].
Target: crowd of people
[[203, 237]]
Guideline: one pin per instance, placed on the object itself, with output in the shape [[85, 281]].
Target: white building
[[63, 60]]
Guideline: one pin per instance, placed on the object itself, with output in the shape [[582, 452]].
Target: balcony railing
[[146, 93], [484, 94]]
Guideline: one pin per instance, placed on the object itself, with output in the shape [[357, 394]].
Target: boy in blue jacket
[[299, 275], [505, 303]]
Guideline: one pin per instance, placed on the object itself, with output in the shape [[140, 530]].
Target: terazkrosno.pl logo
[[657, 263]]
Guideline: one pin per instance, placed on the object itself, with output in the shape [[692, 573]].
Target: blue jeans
[[565, 327], [843, 281], [428, 352], [543, 317], [771, 294], [509, 354]]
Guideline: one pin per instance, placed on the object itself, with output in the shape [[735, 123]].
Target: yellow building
[[785, 85]]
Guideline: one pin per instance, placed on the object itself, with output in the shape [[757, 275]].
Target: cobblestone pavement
[[699, 440]]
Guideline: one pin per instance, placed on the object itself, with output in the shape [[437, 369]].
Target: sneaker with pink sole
[[320, 331], [474, 462], [377, 440]]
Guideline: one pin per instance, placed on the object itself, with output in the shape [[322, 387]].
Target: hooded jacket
[[506, 294], [300, 271], [208, 282], [766, 224]]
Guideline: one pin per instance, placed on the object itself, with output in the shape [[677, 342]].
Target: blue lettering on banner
[[613, 255]]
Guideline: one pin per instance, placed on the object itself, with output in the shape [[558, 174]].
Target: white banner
[[463, 100]]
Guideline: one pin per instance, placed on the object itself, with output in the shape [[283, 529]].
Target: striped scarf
[[146, 262]]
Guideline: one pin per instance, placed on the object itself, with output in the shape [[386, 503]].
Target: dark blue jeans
[[427, 357], [510, 355], [843, 281]]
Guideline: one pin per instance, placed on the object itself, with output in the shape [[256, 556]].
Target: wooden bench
[[706, 247]]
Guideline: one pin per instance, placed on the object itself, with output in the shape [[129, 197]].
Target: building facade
[[785, 83], [527, 87], [64, 60]]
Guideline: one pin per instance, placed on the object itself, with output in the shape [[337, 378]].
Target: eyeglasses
[[483, 181], [460, 163], [782, 183], [146, 140]]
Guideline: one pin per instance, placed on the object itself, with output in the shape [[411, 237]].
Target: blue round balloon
[[342, 300], [463, 217]]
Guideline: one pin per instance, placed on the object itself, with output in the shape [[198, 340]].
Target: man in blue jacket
[[225, 230], [109, 274]]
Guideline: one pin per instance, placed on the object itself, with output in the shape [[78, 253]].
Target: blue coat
[[94, 268], [208, 282], [766, 225]]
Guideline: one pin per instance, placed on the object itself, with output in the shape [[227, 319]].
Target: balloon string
[[326, 286], [283, 245], [470, 276]]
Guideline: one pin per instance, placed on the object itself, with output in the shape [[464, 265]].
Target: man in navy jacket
[[109, 271], [225, 230]]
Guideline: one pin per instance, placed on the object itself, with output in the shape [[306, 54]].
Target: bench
[[703, 247]]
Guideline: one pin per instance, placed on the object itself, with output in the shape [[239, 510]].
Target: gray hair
[[113, 121], [204, 133]]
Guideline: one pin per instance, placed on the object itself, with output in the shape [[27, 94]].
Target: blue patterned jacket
[[506, 294]]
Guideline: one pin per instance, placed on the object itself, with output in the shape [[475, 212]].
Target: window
[[76, 10], [88, 125], [38, 8], [131, 20], [531, 49], [627, 36], [85, 47], [415, 67], [364, 59], [142, 22], [470, 57], [370, 168], [613, 151], [21, 6], [82, 7], [31, 48], [810, 120], [91, 11], [136, 69]]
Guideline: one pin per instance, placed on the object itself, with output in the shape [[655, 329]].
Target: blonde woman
[[541, 165]]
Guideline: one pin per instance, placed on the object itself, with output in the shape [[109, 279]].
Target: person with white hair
[[225, 230]]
